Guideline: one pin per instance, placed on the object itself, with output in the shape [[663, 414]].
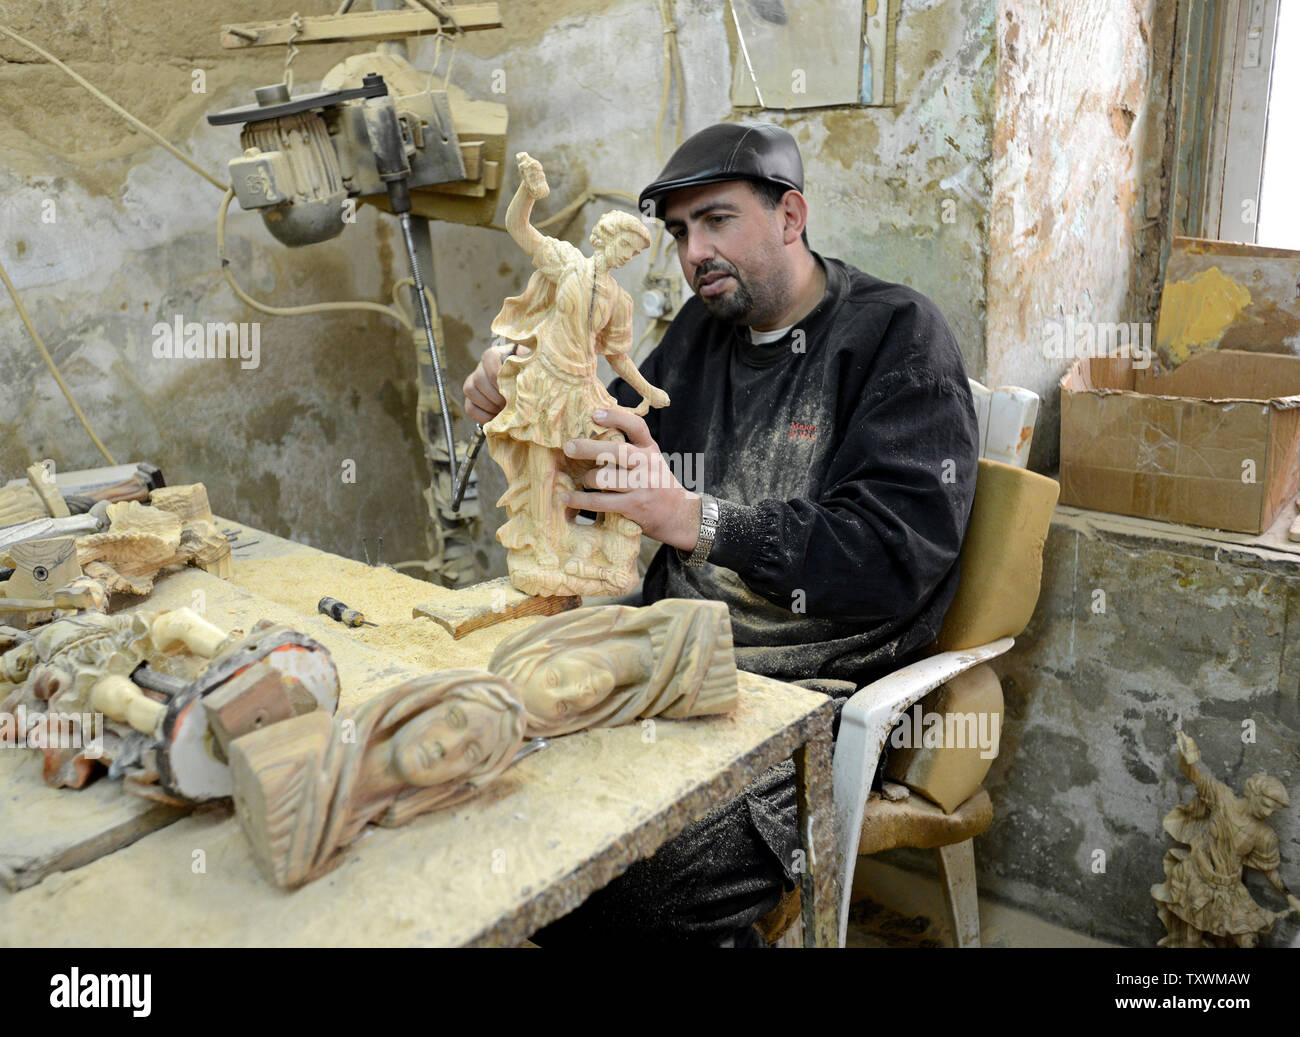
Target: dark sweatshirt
[[843, 457]]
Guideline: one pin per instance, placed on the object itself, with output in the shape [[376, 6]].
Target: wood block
[[20, 503], [42, 567], [486, 604], [1293, 534], [40, 480], [258, 696], [188, 502]]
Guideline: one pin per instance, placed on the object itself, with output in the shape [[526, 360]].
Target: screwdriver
[[335, 609]]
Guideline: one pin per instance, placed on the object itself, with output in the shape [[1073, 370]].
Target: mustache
[[710, 266]]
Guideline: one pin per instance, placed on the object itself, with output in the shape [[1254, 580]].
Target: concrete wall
[[133, 243], [1140, 631], [1080, 157]]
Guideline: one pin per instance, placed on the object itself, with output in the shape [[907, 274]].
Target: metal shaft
[[428, 334], [467, 466]]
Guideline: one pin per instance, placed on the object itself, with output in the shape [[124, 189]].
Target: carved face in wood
[[447, 742], [568, 683], [620, 236]]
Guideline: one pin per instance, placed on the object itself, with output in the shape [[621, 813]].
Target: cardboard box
[[1214, 443]]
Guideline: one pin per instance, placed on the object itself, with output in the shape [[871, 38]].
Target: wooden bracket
[[362, 25]]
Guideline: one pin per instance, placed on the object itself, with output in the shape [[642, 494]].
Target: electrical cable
[[54, 370], [291, 311]]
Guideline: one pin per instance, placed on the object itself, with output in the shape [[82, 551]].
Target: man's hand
[[637, 481], [483, 400]]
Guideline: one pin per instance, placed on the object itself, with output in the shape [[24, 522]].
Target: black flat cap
[[729, 151]]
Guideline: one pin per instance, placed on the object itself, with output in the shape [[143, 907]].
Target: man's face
[[732, 251]]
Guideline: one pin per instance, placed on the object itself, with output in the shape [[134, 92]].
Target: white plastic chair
[[1006, 418]]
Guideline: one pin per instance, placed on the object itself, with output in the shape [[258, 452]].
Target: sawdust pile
[[384, 596]]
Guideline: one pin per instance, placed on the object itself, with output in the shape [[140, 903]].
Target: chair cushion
[[918, 822], [944, 746], [1001, 558]]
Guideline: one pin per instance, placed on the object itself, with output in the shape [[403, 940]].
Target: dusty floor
[[902, 909]]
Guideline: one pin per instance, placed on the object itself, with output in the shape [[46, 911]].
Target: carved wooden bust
[[611, 664], [306, 787]]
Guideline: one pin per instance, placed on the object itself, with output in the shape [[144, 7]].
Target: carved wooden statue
[[571, 312], [611, 664], [1203, 901], [306, 787], [76, 668], [142, 540]]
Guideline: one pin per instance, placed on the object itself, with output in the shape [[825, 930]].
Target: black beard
[[733, 308], [739, 306]]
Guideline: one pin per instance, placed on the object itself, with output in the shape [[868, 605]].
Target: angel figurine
[[1203, 900], [571, 313]]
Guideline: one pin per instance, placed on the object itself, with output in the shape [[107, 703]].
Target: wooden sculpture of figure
[[80, 667], [1203, 900], [610, 664], [306, 787], [571, 312]]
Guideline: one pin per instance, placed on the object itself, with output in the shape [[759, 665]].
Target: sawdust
[[384, 596]]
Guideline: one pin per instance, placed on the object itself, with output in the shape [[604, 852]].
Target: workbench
[[99, 867]]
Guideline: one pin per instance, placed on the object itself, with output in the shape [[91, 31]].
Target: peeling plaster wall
[[133, 243], [1080, 154]]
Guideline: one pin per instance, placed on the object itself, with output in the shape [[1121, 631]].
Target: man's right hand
[[483, 400]]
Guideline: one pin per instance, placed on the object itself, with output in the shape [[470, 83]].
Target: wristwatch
[[708, 532]]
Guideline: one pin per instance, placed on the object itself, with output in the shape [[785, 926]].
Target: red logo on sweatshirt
[[798, 430]]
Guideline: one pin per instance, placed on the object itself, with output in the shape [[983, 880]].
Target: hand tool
[[335, 609], [476, 444]]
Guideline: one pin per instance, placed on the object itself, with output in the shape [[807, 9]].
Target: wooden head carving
[[306, 787], [610, 664]]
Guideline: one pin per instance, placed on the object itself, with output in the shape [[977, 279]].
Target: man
[[837, 447]]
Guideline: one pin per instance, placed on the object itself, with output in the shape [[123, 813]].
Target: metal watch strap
[[708, 532]]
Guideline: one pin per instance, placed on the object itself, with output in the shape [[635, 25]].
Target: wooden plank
[[491, 602], [362, 25], [44, 830]]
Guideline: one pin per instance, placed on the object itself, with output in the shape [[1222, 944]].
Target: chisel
[[335, 609]]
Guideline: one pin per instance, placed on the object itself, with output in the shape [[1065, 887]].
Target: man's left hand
[[637, 482]]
